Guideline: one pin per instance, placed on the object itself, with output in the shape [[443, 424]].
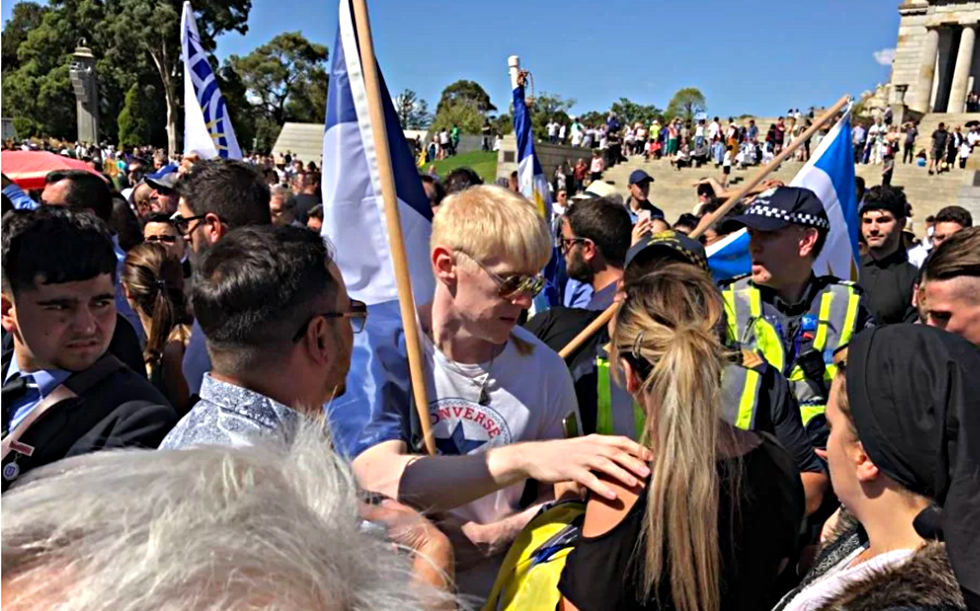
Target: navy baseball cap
[[638, 176], [669, 244], [785, 206]]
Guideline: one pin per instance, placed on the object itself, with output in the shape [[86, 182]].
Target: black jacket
[[120, 409], [888, 285]]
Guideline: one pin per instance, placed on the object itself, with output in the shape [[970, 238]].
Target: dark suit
[[116, 410]]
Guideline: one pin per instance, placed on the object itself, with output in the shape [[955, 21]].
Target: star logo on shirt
[[457, 443]]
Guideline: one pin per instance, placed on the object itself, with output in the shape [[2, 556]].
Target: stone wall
[[549, 156]]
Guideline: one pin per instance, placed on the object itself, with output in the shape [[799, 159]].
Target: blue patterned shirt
[[229, 415]]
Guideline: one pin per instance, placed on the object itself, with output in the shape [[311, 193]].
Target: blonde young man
[[498, 396]]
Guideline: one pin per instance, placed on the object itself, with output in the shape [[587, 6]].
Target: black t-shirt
[[302, 203], [778, 414], [888, 285], [601, 572], [939, 139]]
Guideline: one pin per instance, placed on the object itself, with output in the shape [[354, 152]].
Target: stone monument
[[84, 82], [936, 61]]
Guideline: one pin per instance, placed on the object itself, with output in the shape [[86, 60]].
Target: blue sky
[[751, 56]]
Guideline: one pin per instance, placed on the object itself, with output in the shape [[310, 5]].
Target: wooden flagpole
[[708, 220], [396, 240]]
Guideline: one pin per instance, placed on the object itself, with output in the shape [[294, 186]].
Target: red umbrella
[[28, 168]]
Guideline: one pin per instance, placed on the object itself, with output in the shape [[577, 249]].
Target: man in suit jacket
[[63, 393]]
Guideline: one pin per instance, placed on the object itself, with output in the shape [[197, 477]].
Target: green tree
[[503, 125], [413, 111], [134, 129], [25, 17], [549, 107], [152, 28], [686, 103], [463, 113], [283, 75], [593, 117], [465, 91], [629, 112]]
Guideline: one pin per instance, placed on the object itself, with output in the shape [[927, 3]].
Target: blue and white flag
[[830, 174], [207, 124], [530, 176], [729, 256], [534, 186], [375, 407]]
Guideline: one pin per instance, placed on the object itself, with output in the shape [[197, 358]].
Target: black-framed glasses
[[183, 225], [166, 239], [513, 285], [565, 244], [356, 313]]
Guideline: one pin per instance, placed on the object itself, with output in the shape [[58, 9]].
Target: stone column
[[961, 74], [927, 71]]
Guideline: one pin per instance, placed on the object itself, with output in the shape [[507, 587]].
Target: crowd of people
[[177, 431]]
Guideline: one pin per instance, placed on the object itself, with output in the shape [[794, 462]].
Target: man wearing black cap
[[794, 319], [163, 197], [887, 277], [639, 199]]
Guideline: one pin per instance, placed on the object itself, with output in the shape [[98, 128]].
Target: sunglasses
[[357, 314], [166, 239], [514, 285], [565, 244], [184, 225]]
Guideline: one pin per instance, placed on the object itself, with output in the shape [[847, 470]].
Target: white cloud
[[885, 57]]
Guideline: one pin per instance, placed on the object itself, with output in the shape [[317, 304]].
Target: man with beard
[[279, 328], [595, 235], [163, 196], [216, 196]]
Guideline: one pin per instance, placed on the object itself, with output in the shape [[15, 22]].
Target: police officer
[[782, 311], [755, 397]]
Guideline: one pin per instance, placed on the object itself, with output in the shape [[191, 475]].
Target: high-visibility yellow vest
[[616, 416], [836, 311]]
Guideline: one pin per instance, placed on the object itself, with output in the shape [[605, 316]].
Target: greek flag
[[534, 186], [829, 174], [530, 176], [375, 406], [207, 125]]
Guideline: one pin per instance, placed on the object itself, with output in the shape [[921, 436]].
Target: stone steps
[[674, 192]]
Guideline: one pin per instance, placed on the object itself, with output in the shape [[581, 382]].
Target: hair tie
[[636, 345], [162, 286]]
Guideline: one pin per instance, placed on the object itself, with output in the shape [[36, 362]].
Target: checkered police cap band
[[795, 218]]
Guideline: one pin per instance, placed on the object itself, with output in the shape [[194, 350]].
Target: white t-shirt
[[699, 131], [713, 129], [561, 132], [529, 394], [552, 129]]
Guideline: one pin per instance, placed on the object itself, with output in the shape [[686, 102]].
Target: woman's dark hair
[[461, 179], [154, 281]]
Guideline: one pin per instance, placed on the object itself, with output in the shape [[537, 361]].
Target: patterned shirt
[[229, 415]]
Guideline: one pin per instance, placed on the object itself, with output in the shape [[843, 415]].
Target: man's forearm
[[437, 483], [496, 537]]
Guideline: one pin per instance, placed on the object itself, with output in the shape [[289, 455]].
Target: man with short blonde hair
[[495, 392]]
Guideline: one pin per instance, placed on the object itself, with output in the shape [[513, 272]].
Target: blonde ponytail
[[666, 328]]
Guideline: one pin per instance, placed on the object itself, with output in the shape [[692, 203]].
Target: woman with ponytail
[[714, 522], [153, 282]]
